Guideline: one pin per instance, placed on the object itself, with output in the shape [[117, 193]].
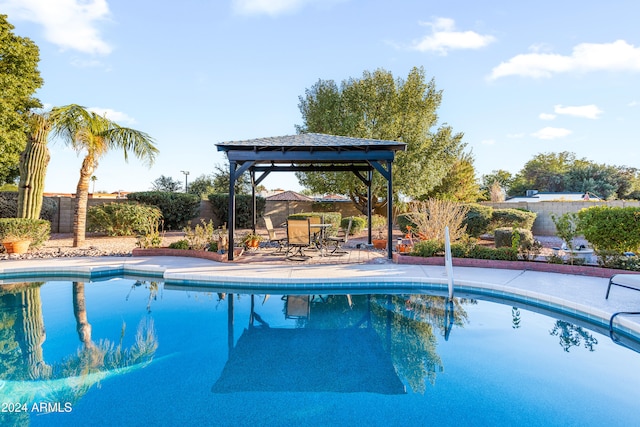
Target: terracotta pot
[[253, 243], [379, 243], [17, 246]]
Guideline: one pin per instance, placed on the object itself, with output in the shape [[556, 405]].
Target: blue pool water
[[127, 352]]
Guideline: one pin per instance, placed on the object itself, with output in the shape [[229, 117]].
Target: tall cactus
[[33, 168]]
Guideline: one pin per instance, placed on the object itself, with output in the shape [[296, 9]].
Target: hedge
[[611, 229], [514, 218], [177, 208], [504, 237], [478, 219], [220, 206]]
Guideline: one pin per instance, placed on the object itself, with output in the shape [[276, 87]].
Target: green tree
[[19, 80], [545, 172], [221, 181], [377, 106], [202, 186], [459, 184], [557, 172], [95, 135], [166, 183], [500, 176]]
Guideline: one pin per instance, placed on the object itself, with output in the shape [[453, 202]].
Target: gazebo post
[[389, 211], [254, 217], [232, 208], [369, 207]]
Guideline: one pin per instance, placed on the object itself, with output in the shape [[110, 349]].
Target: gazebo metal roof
[[311, 152]]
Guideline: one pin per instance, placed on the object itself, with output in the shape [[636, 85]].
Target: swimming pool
[[139, 352]]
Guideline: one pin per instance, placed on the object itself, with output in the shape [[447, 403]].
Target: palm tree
[[94, 135], [93, 181]]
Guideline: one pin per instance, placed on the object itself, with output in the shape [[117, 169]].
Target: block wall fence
[[280, 210], [543, 225]]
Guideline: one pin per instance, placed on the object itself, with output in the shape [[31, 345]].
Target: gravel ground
[[61, 245]]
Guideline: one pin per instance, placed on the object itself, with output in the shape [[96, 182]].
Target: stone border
[[582, 270], [212, 256]]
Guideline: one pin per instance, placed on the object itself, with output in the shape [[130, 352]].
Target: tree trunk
[[80, 312], [82, 199]]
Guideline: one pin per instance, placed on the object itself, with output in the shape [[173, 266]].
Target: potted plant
[[17, 234], [252, 240], [380, 241]]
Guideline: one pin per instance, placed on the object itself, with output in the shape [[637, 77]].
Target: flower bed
[[584, 270]]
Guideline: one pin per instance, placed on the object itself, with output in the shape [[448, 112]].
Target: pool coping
[[212, 277]]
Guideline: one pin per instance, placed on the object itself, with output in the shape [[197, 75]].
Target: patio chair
[[298, 238], [339, 241], [629, 281], [316, 232], [273, 237]]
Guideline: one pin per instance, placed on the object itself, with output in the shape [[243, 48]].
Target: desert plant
[[123, 219], [201, 236], [35, 230], [33, 167], [431, 218], [566, 227]]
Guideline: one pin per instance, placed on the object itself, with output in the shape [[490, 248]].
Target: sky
[[518, 78]]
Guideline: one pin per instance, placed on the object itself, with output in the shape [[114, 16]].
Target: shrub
[[460, 250], [123, 219], [36, 230], [428, 248], [503, 254], [504, 238], [180, 244], [566, 227], [177, 208], [478, 219], [244, 218], [431, 218], [611, 229], [201, 236], [358, 223], [514, 218]]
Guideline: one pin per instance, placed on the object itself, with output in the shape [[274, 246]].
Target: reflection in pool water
[[124, 351]]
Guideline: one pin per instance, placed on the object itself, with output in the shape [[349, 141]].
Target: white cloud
[[551, 133], [268, 7], [115, 116], [585, 57], [633, 104], [70, 24], [443, 38], [586, 111], [547, 116], [488, 142], [515, 135]]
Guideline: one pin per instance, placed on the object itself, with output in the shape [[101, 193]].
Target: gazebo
[[310, 152]]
